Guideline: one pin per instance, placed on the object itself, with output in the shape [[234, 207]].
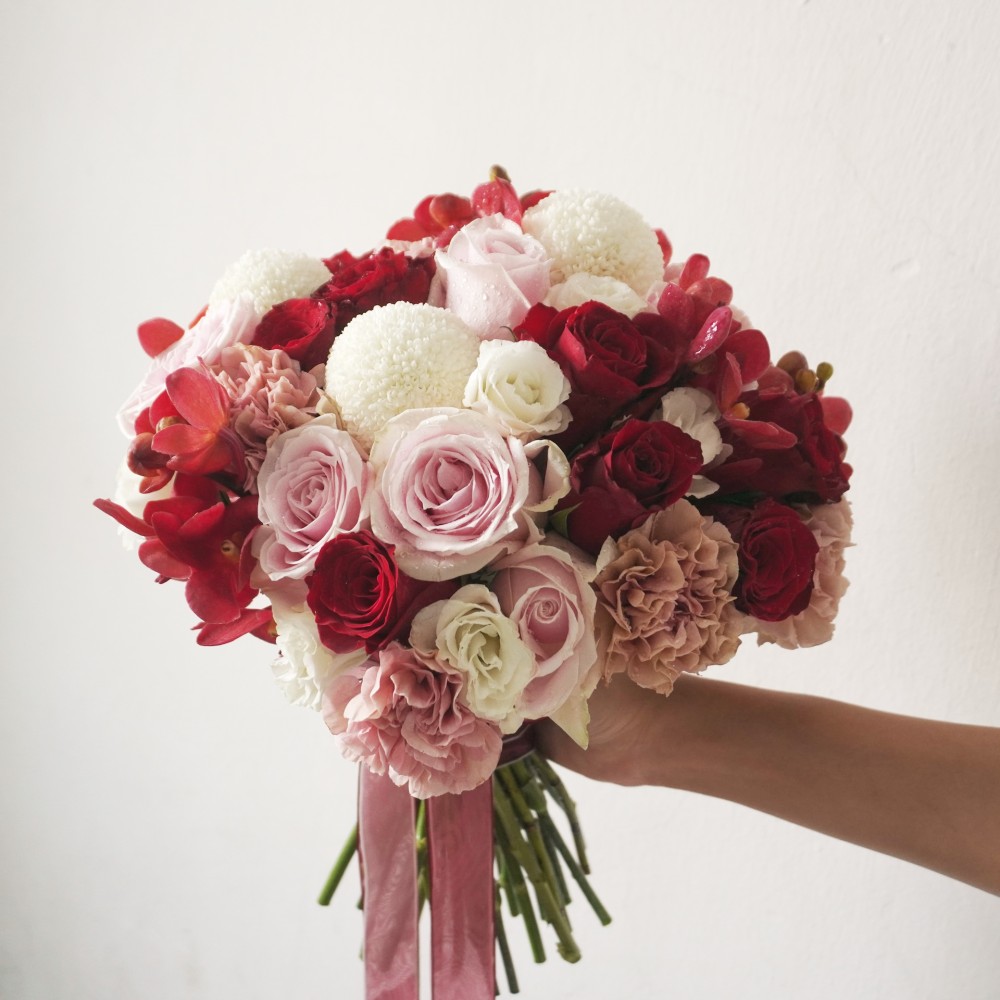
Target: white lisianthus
[[520, 387], [471, 635], [579, 288], [269, 277], [305, 667], [398, 357], [695, 413], [597, 234]]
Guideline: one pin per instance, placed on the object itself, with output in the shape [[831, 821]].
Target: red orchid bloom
[[202, 535], [204, 442]]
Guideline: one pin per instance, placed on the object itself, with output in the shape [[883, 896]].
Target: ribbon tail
[[389, 885], [460, 831]]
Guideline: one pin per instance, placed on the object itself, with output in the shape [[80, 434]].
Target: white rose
[[520, 387], [581, 287], [470, 634], [305, 667]]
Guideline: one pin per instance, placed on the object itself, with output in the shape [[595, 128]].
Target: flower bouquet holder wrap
[[459, 481]]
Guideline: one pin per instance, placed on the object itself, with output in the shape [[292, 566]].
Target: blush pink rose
[[831, 527], [401, 716], [450, 491], [492, 274], [314, 485], [222, 326], [552, 605]]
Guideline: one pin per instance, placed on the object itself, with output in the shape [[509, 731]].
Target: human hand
[[624, 719]]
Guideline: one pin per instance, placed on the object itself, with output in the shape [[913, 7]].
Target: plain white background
[[167, 818]]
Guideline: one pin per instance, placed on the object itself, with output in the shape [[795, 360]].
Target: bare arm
[[921, 790]]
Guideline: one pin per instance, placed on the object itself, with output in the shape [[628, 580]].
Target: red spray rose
[[609, 360], [777, 558], [624, 476], [359, 284], [303, 328], [360, 597]]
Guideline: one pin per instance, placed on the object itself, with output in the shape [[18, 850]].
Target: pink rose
[[493, 273], [450, 491], [545, 595], [831, 527], [222, 326], [401, 716], [313, 485]]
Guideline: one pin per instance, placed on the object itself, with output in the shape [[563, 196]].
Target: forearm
[[924, 791]]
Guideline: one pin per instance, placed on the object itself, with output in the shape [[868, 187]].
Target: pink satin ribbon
[[461, 844], [389, 885], [460, 835]]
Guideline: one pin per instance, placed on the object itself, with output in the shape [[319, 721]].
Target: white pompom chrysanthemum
[[593, 233], [270, 277], [398, 357]]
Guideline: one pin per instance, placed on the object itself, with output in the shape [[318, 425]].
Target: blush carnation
[[269, 394], [664, 598], [831, 527], [268, 277], [596, 234], [401, 716], [398, 357]]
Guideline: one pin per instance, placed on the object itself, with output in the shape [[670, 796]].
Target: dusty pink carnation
[[664, 602], [831, 526], [269, 395], [401, 716]]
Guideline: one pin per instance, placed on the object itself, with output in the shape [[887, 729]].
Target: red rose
[[784, 449], [360, 597], [624, 476], [357, 285], [777, 555], [609, 360], [303, 328]]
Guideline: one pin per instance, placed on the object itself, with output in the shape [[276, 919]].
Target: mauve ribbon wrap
[[389, 885], [460, 830], [460, 835]]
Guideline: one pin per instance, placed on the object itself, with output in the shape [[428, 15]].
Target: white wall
[[167, 819]]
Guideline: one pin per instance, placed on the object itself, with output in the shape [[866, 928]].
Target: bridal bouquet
[[459, 481]]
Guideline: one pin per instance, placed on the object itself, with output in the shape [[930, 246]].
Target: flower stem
[[576, 870], [501, 936], [340, 866], [505, 833], [534, 858], [557, 790], [423, 880]]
